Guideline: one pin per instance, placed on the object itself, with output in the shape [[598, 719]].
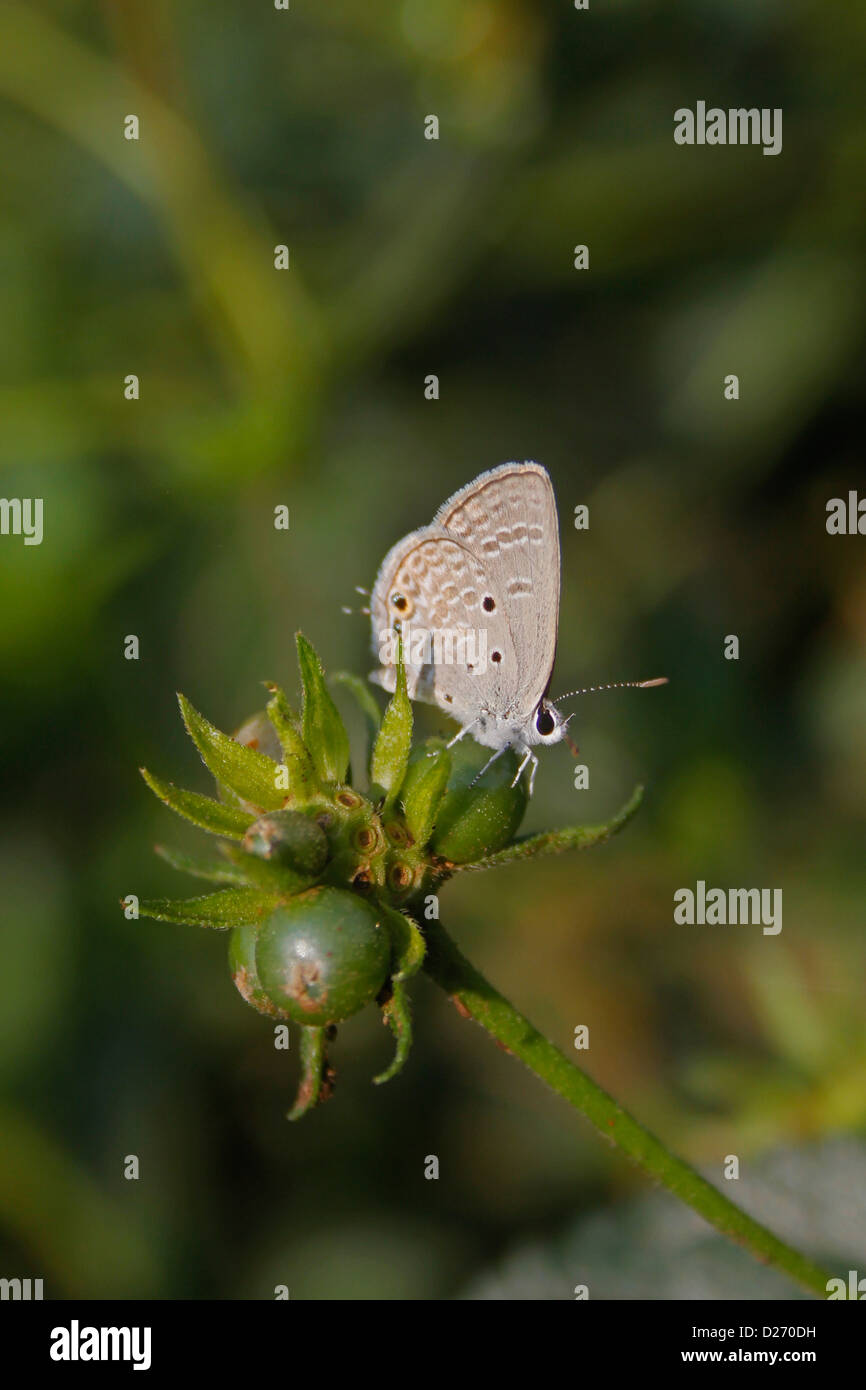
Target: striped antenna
[[615, 685]]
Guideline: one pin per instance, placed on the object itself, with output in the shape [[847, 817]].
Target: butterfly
[[474, 597]]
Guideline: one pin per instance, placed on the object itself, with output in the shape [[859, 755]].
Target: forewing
[[507, 518]]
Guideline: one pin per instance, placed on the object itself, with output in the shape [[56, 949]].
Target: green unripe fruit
[[288, 838], [242, 963], [473, 821], [323, 955]]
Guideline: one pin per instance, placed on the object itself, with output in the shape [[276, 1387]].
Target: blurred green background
[[305, 388]]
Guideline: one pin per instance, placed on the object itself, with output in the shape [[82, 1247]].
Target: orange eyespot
[[404, 606]]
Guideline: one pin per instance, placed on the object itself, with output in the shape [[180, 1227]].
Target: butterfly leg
[[461, 733], [527, 757], [490, 762], [532, 773]]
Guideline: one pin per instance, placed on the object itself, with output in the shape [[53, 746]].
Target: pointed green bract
[[203, 811], [323, 730], [556, 841], [422, 792], [391, 750], [315, 1082], [407, 943], [269, 874], [398, 1016], [408, 949], [214, 870], [245, 771], [232, 907], [300, 773]]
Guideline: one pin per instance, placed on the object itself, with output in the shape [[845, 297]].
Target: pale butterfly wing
[[507, 517], [432, 582], [384, 616], [488, 565]]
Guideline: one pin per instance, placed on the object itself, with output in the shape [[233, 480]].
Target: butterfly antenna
[[614, 685]]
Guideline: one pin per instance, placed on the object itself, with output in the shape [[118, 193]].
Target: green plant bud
[[472, 821], [423, 790], [396, 833], [288, 838], [323, 955], [357, 841], [242, 963], [403, 875], [348, 800], [366, 837]]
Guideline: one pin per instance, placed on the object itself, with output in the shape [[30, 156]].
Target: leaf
[[269, 873], [555, 841], [407, 943], [232, 907], [398, 1015], [300, 773], [203, 811], [322, 729], [394, 740], [215, 870], [422, 793], [317, 1077], [246, 772], [408, 949]]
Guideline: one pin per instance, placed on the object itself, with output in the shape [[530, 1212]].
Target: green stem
[[475, 996]]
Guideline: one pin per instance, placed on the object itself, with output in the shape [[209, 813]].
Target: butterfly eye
[[545, 722]]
